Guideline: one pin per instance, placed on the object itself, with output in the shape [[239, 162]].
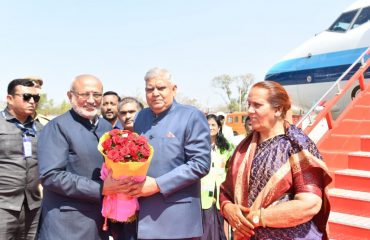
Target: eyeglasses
[[28, 96], [86, 95]]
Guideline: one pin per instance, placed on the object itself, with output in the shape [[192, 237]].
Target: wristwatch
[[256, 219]]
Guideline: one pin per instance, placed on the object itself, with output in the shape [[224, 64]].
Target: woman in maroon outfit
[[276, 179]]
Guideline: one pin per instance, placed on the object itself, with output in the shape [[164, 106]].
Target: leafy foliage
[[240, 84], [47, 106]]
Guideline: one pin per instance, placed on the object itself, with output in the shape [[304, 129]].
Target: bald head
[[86, 79]]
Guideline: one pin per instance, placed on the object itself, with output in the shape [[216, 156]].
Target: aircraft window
[[363, 17], [343, 22]]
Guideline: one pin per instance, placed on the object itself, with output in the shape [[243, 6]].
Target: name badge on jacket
[[27, 147]]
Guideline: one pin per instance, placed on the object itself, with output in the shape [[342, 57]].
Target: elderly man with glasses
[[20, 197], [69, 164]]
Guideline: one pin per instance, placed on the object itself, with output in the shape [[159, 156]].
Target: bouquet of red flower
[[127, 155]]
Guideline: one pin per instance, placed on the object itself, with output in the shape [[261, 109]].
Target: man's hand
[[145, 188], [130, 186], [113, 186]]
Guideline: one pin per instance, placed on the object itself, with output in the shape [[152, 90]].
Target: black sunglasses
[[28, 96]]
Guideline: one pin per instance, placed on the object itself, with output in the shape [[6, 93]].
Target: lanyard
[[26, 131]]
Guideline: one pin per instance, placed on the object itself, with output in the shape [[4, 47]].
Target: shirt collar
[[118, 125], [89, 124], [95, 121], [9, 117]]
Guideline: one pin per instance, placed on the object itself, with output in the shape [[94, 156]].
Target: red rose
[[107, 144], [116, 139], [115, 132], [134, 151], [145, 152], [131, 137], [124, 151], [141, 140], [130, 145], [114, 155]]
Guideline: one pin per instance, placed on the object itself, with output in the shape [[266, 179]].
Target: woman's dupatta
[[243, 173]]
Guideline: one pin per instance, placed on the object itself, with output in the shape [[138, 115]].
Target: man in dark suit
[[69, 164], [20, 197]]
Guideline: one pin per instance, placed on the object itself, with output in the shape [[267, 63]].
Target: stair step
[[351, 126], [343, 200], [359, 160], [364, 100], [365, 143], [352, 179], [359, 112], [335, 159], [343, 142], [346, 226], [364, 196]]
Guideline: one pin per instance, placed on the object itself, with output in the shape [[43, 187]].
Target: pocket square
[[170, 135]]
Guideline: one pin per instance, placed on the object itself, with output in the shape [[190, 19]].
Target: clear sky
[[119, 40]]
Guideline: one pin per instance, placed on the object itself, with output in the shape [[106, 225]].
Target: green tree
[[48, 108], [63, 107], [43, 101], [241, 85], [224, 82]]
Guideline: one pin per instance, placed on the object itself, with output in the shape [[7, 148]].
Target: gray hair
[[157, 72], [125, 100]]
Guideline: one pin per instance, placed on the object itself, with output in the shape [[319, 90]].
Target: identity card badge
[[27, 147]]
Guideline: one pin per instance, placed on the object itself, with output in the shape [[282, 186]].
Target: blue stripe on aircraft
[[319, 61], [318, 75]]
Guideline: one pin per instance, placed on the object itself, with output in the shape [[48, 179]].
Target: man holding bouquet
[[69, 166], [169, 197]]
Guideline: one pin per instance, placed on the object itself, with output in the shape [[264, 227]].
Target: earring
[[277, 114]]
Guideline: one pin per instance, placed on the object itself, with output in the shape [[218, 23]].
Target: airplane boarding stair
[[345, 148]]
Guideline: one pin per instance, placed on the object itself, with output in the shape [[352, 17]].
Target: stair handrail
[[325, 112]]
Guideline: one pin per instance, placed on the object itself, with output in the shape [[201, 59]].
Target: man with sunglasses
[[69, 165], [37, 116], [20, 197]]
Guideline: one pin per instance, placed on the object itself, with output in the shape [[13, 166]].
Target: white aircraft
[[310, 69]]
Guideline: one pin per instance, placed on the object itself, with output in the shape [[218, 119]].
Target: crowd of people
[[201, 183]]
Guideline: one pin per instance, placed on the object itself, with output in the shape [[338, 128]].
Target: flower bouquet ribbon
[[126, 154]]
